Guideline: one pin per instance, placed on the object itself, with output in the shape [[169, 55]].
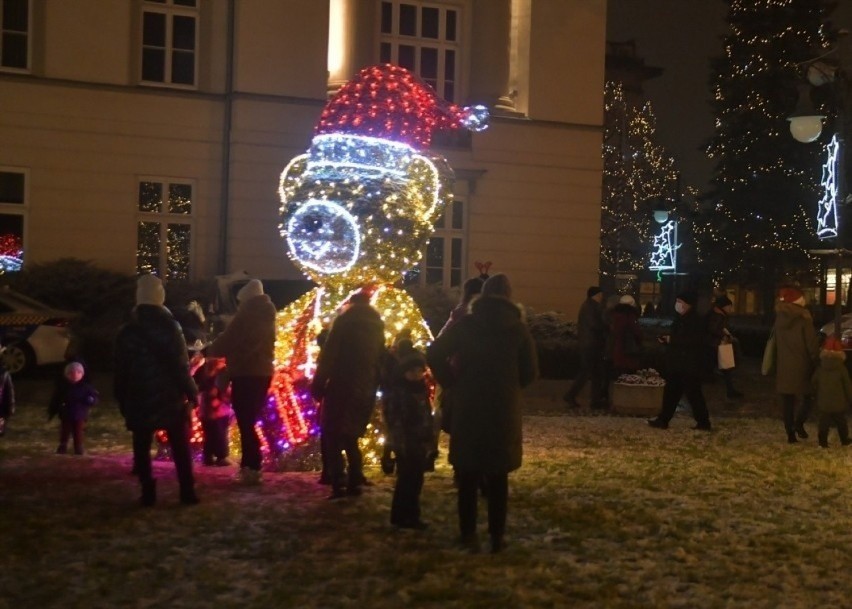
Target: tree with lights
[[638, 174], [766, 184], [356, 211]]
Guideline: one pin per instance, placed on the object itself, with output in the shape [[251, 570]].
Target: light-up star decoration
[[827, 211], [664, 248], [356, 212]]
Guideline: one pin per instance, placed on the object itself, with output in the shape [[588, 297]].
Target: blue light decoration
[[827, 211], [357, 210], [665, 246]]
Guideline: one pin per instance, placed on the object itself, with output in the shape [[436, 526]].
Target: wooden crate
[[636, 400]]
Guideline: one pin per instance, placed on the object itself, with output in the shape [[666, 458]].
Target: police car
[[31, 332]]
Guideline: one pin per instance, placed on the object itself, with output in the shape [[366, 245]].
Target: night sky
[[681, 36]]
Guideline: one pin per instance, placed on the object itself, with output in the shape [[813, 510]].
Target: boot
[[149, 493], [800, 431], [188, 497]]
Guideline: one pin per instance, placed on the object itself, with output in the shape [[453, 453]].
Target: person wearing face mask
[[685, 349]]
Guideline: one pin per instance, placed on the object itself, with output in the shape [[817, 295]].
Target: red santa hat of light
[[390, 103]]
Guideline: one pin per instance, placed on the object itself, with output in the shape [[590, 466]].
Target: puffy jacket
[[797, 348], [248, 343], [152, 382], [493, 356], [831, 383], [349, 370]]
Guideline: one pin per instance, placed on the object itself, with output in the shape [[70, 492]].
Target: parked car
[[32, 333], [845, 330]]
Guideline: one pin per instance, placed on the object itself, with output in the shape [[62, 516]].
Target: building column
[[490, 55]]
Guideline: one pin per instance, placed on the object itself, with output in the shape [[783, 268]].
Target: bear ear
[[428, 187], [291, 178]]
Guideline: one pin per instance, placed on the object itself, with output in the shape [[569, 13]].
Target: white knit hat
[[250, 290], [149, 291], [628, 300]]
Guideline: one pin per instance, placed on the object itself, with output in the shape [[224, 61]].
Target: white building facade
[[148, 135]]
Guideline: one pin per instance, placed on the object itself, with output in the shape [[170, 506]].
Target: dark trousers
[[729, 381], [73, 429], [337, 444], [178, 434], [678, 385], [248, 397], [592, 370], [497, 497], [405, 506], [826, 420], [792, 421], [215, 438]]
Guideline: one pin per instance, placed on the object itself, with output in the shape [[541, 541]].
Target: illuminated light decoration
[[665, 246], [356, 212], [827, 212], [11, 253]]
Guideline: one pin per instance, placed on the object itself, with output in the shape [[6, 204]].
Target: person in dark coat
[[153, 387], [410, 433], [471, 288], [495, 358], [7, 398], [833, 391], [591, 337], [797, 350], [624, 337], [686, 347], [346, 381], [71, 401], [248, 346], [717, 327]]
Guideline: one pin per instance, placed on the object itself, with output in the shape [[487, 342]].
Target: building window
[[164, 229], [443, 261], [14, 35], [169, 41], [13, 206], [422, 37]]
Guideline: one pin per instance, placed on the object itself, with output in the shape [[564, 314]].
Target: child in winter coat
[[833, 391], [71, 400], [7, 398], [214, 410], [410, 434]]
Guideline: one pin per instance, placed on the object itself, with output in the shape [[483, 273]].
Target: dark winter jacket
[[797, 349], [7, 394], [349, 370], [831, 383], [72, 401], [686, 352], [408, 418], [248, 343], [591, 328], [494, 357], [152, 382], [625, 338]]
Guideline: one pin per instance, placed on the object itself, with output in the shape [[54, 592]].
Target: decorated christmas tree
[[766, 184]]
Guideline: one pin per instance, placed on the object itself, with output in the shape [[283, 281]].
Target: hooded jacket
[[831, 383], [348, 371], [493, 357], [152, 383], [248, 343], [797, 348]]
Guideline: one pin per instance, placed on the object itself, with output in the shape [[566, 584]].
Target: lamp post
[[806, 126]]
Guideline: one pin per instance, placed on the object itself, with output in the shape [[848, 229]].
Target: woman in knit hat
[[797, 350], [153, 387], [494, 358], [717, 326]]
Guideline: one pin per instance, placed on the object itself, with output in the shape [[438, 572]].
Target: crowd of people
[[468, 383]]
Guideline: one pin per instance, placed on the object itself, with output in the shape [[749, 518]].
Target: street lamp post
[[806, 126]]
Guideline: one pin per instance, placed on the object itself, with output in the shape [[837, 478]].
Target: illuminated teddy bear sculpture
[[357, 210]]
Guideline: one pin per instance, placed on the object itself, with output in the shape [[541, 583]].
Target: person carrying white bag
[[723, 341]]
